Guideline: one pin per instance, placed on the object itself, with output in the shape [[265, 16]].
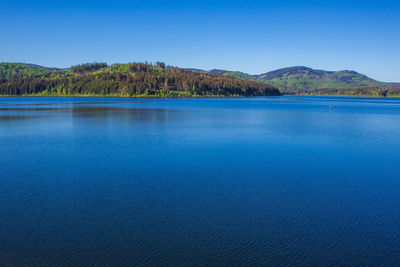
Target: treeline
[[89, 67], [138, 79], [367, 91], [147, 67]]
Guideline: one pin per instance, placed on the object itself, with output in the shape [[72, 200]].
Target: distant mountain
[[236, 74], [304, 80]]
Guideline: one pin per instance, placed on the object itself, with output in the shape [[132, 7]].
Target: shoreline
[[141, 96], [377, 96], [195, 96]]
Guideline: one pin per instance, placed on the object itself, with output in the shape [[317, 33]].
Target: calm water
[[180, 182]]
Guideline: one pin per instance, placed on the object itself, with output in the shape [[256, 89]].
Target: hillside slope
[[303, 78]]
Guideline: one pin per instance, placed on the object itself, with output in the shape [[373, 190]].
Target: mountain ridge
[[305, 80], [290, 80]]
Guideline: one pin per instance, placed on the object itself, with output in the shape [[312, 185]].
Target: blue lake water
[[215, 181]]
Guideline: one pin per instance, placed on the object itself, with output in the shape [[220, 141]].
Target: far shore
[[192, 96]]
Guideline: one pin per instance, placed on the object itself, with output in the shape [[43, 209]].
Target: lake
[[278, 181]]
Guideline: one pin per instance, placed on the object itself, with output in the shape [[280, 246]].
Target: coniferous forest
[[136, 79]]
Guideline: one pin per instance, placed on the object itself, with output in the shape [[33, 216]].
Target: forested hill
[[304, 80], [144, 79], [7, 70], [136, 79]]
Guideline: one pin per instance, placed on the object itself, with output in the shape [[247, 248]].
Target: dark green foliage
[[138, 79], [366, 91]]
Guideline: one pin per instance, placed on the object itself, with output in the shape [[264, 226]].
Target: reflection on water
[[230, 181]]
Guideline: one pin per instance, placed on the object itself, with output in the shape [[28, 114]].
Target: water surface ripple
[[278, 181]]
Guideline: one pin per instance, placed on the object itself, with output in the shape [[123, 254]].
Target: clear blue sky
[[249, 36]]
